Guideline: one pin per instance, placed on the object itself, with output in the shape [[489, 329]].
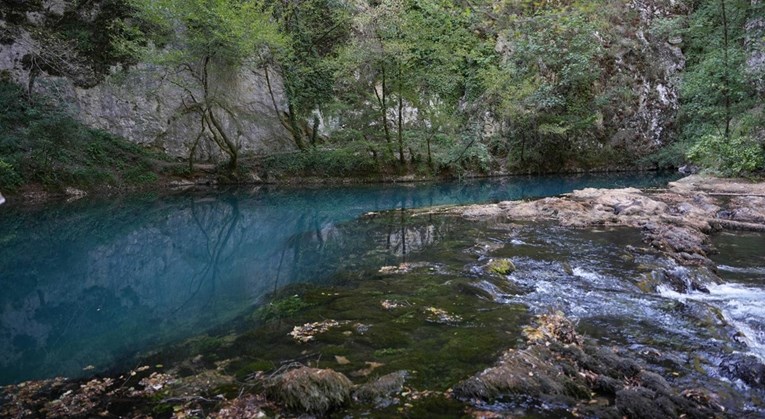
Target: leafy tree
[[409, 60], [715, 87], [719, 95], [547, 89], [316, 29], [205, 41]]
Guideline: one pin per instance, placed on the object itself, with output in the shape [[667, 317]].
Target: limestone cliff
[[641, 62], [146, 104], [654, 61]]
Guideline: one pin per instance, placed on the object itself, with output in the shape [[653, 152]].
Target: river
[[88, 284]]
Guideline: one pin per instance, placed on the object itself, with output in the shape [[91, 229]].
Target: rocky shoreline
[[556, 368], [677, 220]]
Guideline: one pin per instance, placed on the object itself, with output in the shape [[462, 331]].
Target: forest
[[423, 87]]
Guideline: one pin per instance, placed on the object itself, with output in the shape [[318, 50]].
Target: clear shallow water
[[88, 284]]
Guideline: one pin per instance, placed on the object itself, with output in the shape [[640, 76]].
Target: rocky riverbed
[[468, 331]]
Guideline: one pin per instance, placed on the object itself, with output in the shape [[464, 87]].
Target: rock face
[[147, 104], [645, 63], [755, 31], [655, 64]]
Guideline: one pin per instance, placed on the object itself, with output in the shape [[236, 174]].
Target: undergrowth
[[42, 144]]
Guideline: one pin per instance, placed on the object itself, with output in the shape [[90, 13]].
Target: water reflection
[[92, 282]]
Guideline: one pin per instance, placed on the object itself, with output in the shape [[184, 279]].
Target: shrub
[[10, 180], [338, 162], [737, 156]]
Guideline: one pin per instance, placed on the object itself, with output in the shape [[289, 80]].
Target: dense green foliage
[[316, 29], [41, 144], [548, 89], [722, 112], [417, 81], [441, 87], [207, 41]]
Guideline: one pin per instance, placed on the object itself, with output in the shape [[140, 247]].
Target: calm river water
[[89, 284]]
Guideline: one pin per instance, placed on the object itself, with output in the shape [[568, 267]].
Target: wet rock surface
[[676, 221], [381, 392], [560, 367]]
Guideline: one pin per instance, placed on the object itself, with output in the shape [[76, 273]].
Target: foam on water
[[585, 293], [755, 270], [589, 276], [742, 306]]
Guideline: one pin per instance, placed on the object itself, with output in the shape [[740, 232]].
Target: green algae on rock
[[501, 266]]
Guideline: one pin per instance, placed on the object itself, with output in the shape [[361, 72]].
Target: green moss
[[229, 391], [647, 283], [501, 266], [206, 344], [389, 352], [285, 307], [242, 369]]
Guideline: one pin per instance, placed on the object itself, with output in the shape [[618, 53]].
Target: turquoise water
[[86, 285]]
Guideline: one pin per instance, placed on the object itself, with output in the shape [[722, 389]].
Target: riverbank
[[206, 178], [676, 220], [357, 358]]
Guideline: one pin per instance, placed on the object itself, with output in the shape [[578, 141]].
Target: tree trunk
[[315, 131], [726, 75], [291, 123], [297, 133], [384, 109], [430, 156], [400, 119]]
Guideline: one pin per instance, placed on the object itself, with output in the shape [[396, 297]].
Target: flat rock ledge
[[676, 220]]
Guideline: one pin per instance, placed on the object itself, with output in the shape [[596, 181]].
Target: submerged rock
[[746, 368], [439, 315], [245, 407], [559, 367], [308, 331], [310, 390], [500, 266], [381, 391]]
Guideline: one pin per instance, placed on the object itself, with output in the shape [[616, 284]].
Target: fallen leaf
[[371, 366], [342, 360]]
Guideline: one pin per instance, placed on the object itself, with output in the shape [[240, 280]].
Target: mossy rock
[[648, 283], [501, 266], [379, 391], [310, 390]]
